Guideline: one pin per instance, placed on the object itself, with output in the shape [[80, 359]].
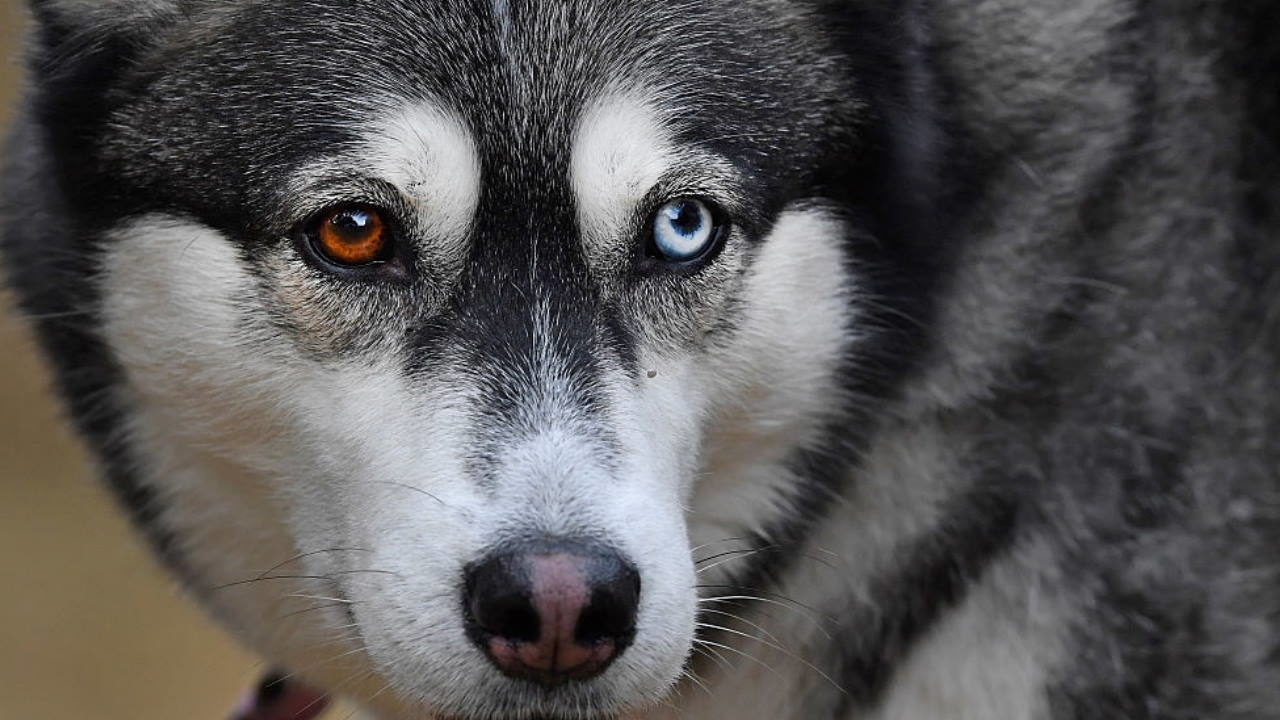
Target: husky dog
[[711, 359]]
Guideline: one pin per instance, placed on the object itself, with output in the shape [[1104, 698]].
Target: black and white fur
[[973, 416]]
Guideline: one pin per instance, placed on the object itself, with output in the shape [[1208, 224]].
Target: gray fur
[[1081, 471], [1116, 325]]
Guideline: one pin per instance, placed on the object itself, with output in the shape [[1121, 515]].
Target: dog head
[[436, 335]]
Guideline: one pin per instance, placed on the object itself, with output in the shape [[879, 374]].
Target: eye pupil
[[685, 217], [351, 221]]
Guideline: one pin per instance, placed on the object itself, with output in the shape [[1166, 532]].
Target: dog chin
[[536, 705], [573, 700]]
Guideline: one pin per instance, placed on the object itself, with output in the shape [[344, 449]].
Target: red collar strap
[[278, 697]]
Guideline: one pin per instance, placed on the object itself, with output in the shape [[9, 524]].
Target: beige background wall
[[90, 629]]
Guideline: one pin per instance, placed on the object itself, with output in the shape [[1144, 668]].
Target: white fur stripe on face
[[620, 150], [428, 152]]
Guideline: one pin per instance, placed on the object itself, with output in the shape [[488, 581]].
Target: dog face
[[445, 332]]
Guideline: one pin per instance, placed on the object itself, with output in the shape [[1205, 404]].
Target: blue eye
[[683, 230]]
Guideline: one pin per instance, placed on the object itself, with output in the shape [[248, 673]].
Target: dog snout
[[552, 612]]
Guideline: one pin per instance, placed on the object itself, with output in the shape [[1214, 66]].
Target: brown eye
[[352, 235]]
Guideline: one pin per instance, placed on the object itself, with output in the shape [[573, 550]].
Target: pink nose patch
[[276, 698], [551, 610], [560, 593]]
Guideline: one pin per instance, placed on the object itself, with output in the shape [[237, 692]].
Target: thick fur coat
[[971, 413]]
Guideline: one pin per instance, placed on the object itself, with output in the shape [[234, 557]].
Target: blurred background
[[90, 628]]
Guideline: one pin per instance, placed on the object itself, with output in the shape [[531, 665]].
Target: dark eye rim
[[652, 260], [390, 263]]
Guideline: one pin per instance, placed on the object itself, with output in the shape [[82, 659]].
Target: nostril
[[499, 599], [611, 613]]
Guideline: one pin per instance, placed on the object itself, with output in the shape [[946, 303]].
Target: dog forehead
[[512, 64], [259, 90]]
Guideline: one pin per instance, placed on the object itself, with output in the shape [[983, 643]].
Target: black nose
[[552, 611]]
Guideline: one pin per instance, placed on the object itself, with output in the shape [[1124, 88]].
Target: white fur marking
[[798, 296], [429, 153], [620, 150]]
